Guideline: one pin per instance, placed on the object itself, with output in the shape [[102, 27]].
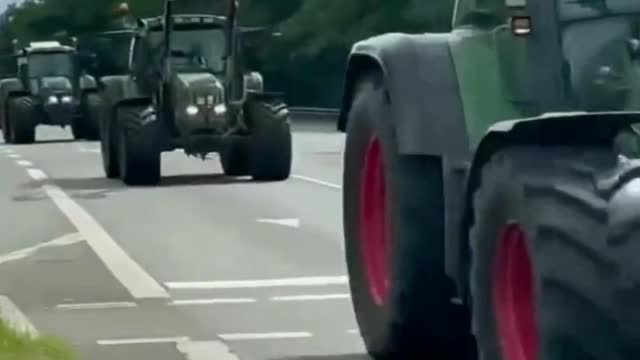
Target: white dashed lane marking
[[97, 306], [316, 181], [239, 284], [265, 336], [212, 301], [24, 163], [37, 174]]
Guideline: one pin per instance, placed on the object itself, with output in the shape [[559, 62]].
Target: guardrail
[[303, 114]]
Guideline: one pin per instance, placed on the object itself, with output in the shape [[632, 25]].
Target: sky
[[4, 3]]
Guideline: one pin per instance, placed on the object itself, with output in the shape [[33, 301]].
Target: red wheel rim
[[374, 229], [513, 293]]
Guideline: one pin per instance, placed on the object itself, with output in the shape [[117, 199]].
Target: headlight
[[220, 109], [66, 99], [200, 100], [192, 110], [52, 99]]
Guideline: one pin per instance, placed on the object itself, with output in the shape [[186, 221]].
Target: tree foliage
[[306, 62]]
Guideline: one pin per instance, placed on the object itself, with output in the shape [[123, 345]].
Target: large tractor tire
[[109, 143], [270, 145], [22, 122], [138, 150], [555, 246], [234, 159], [394, 239]]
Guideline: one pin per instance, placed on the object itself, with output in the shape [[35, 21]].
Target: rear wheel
[[93, 105], [138, 150], [109, 143], [555, 244], [394, 240], [22, 120], [270, 143]]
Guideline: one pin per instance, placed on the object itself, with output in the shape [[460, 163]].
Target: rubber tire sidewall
[[270, 148], [419, 318], [109, 143]]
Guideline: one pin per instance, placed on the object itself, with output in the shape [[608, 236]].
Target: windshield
[[113, 53], [581, 9], [197, 49], [52, 64]]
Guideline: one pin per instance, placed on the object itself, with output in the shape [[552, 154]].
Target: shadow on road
[[327, 357], [77, 188], [202, 179], [49, 141]]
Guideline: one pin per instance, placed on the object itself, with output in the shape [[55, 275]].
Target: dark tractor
[[491, 196], [41, 93], [101, 56], [188, 87]]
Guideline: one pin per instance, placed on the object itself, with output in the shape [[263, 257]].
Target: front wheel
[[22, 120], [138, 150], [270, 142], [109, 143], [554, 255]]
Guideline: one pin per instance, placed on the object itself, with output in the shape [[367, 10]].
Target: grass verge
[[18, 346]]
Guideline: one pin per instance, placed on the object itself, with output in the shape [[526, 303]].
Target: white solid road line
[[240, 284], [96, 306], [265, 336], [37, 174], [24, 163], [130, 274], [205, 350], [211, 301], [14, 318], [65, 240], [311, 297], [137, 341], [316, 181], [137, 281]]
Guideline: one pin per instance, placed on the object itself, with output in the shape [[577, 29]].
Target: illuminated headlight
[[220, 109], [210, 100], [192, 110], [66, 99], [200, 100], [52, 99]]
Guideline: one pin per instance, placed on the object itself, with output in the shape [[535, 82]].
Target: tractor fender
[[120, 90], [88, 83], [11, 87], [568, 128], [422, 85]]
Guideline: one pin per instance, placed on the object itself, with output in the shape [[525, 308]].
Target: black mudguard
[[571, 128], [420, 76], [121, 89]]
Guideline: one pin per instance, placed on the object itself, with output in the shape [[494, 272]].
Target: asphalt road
[[199, 267]]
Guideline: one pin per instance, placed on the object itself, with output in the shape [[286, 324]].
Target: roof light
[[521, 25]]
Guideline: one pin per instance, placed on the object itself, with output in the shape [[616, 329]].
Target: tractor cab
[[593, 66], [197, 42], [47, 69]]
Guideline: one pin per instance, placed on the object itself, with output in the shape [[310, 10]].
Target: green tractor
[[101, 56], [41, 93], [491, 197], [188, 88]]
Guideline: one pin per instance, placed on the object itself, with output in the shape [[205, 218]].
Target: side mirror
[[519, 21]]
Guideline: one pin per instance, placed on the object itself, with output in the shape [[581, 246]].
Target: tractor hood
[[198, 89], [199, 100], [55, 84]]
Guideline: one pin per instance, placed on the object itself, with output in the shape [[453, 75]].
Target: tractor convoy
[[490, 195]]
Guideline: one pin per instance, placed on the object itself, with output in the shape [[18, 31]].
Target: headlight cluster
[[208, 101], [65, 99]]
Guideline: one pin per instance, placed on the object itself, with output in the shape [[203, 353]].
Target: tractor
[[491, 184], [188, 87], [41, 93], [101, 55]]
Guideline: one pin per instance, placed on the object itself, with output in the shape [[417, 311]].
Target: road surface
[[199, 267]]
